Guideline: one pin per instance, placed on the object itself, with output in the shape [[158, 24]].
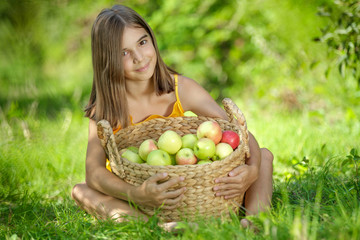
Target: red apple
[[185, 156], [231, 138], [211, 130], [146, 147]]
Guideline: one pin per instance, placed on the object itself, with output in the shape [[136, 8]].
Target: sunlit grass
[[315, 193]]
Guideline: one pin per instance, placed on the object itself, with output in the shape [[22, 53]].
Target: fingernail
[[182, 178], [216, 180], [164, 174], [231, 174], [216, 188]]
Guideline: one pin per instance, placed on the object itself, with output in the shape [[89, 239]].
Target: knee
[[76, 191], [266, 155]]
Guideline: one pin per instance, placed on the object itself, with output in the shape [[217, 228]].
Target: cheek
[[150, 51], [127, 65]]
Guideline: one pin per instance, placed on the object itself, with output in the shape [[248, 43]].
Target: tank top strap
[[176, 87]]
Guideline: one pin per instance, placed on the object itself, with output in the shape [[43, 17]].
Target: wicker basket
[[199, 199]]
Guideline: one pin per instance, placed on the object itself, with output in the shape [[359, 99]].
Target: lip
[[143, 69]]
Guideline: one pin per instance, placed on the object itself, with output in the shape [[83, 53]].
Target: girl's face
[[138, 54]]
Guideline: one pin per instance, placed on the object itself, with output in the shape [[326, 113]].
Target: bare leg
[[103, 206], [258, 196]]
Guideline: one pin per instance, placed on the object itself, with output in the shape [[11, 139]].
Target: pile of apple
[[209, 144]]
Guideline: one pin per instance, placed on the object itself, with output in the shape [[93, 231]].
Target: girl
[[132, 84]]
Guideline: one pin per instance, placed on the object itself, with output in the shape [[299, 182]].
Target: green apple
[[185, 156], [158, 158], [222, 151], [204, 161], [204, 148], [146, 147], [134, 149], [170, 142], [188, 141], [131, 156], [209, 129]]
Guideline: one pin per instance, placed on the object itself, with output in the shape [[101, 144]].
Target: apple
[[211, 130], [189, 140], [204, 148], [146, 147], [185, 156], [134, 149], [170, 142], [222, 151], [158, 158], [204, 161], [231, 138], [131, 156]]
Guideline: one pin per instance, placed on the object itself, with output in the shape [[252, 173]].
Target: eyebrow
[[141, 38]]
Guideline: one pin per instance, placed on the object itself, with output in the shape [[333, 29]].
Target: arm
[[196, 99], [150, 193]]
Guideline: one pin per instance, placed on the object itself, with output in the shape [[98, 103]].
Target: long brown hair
[[108, 95]]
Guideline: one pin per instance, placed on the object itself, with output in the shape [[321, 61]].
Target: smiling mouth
[[143, 68]]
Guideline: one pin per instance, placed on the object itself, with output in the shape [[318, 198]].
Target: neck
[[139, 89]]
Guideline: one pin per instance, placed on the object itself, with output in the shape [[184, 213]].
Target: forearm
[[255, 154], [106, 182]]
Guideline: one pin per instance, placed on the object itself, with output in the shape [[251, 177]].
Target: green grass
[[310, 122], [315, 190]]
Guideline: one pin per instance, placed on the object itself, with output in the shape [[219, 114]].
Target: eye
[[143, 42], [125, 53]]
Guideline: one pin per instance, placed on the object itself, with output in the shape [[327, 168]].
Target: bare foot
[[176, 227], [169, 226], [245, 223]]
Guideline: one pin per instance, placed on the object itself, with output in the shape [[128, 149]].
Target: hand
[[237, 182], [153, 194]]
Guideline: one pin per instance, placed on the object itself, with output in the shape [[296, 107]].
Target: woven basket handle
[[107, 139], [237, 117]]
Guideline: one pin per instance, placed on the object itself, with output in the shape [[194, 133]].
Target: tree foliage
[[342, 34]]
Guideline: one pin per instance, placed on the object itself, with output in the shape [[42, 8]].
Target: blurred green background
[[292, 67], [262, 54]]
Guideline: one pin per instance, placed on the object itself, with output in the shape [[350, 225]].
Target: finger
[[173, 201], [157, 177], [228, 186], [237, 179], [169, 183], [227, 192], [236, 171], [175, 193], [232, 196]]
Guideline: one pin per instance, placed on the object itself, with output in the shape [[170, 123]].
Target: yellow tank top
[[177, 111]]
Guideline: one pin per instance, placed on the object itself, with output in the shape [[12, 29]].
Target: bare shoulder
[[189, 88], [187, 82], [195, 98]]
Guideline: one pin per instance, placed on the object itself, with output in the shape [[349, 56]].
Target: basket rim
[[130, 129]]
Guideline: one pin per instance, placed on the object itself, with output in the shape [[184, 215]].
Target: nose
[[137, 56]]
